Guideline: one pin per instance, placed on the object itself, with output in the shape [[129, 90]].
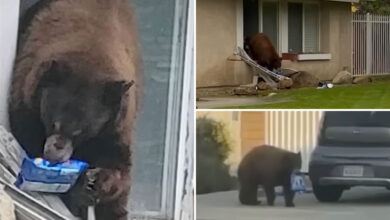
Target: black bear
[[259, 47], [75, 92], [267, 166]]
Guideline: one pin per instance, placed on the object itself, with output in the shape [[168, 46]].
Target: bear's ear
[[54, 73], [114, 91]]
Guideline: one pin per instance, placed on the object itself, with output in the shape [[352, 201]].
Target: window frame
[[177, 101], [282, 23]]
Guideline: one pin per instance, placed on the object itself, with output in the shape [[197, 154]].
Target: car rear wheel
[[327, 193]]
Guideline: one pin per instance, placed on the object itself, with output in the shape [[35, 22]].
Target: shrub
[[212, 149], [374, 7]]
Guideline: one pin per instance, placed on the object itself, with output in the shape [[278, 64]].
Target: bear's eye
[[78, 132]]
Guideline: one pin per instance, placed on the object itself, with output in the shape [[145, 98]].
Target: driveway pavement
[[360, 203]]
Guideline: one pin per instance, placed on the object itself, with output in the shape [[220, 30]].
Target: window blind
[[310, 28]]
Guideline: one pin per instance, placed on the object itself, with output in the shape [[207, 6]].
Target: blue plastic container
[[40, 175], [298, 182]]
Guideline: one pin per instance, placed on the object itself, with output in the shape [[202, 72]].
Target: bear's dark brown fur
[[87, 52], [267, 166], [259, 48]]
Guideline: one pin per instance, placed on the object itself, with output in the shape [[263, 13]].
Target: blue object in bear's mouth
[[42, 176]]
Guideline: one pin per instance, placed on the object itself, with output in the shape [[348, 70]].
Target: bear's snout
[[57, 149]]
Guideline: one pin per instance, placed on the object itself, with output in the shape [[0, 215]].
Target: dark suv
[[353, 150]]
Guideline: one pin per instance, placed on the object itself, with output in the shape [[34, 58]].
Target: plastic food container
[[40, 175], [298, 182]]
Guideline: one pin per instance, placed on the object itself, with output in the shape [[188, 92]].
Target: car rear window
[[354, 119]]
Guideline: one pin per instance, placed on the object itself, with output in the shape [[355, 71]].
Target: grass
[[371, 96]]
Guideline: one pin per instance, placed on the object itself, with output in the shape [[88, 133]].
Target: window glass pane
[[294, 27], [351, 119], [352, 122], [251, 17], [155, 25], [270, 21], [311, 29]]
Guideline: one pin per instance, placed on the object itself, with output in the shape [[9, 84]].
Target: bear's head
[[74, 109], [247, 46], [296, 160], [277, 62]]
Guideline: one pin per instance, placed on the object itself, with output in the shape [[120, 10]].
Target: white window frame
[[314, 56], [9, 19], [178, 108], [240, 23]]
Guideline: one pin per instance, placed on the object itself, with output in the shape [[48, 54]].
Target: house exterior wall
[[218, 25], [216, 40], [252, 130]]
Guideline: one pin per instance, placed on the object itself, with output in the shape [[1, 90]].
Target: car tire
[[327, 193]]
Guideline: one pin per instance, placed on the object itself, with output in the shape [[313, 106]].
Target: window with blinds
[[303, 28]]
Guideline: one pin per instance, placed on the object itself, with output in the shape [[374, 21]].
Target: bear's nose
[[58, 146]]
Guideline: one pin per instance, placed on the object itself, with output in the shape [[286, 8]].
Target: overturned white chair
[[32, 205], [268, 76]]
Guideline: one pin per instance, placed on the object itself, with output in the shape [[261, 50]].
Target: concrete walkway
[[235, 101]]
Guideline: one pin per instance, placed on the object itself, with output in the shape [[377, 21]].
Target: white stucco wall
[[9, 14]]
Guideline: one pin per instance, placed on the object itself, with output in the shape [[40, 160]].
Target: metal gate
[[370, 44]]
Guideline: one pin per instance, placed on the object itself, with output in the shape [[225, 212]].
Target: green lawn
[[375, 95]]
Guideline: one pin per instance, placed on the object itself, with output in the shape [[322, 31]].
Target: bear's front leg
[[106, 189], [113, 210], [110, 183], [113, 186], [80, 196]]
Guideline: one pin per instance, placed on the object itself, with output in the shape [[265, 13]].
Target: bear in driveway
[[267, 166], [75, 92], [259, 47]]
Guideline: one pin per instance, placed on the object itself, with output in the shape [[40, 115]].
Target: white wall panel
[[294, 131]]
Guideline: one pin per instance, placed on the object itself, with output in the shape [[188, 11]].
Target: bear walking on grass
[[75, 93], [259, 47], [267, 166]]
